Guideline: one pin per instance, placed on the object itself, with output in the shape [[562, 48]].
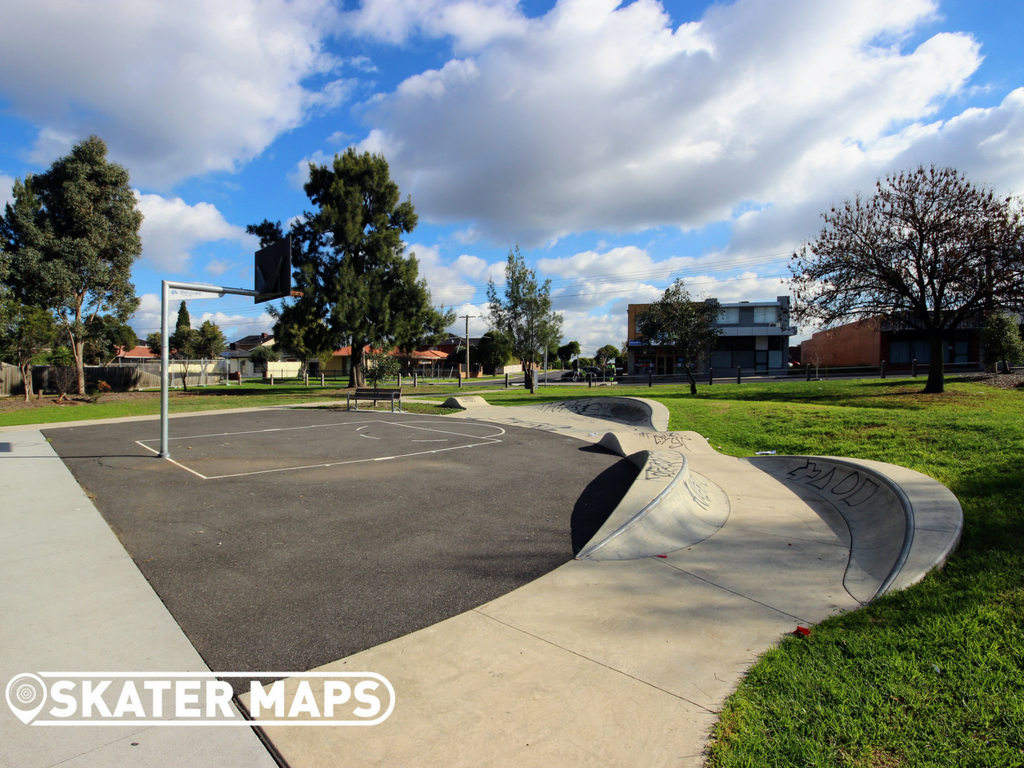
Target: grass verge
[[13, 411]]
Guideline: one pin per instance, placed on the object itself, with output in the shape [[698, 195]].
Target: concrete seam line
[[734, 592], [594, 661]]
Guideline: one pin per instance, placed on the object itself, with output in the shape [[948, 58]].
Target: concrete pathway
[[72, 600]]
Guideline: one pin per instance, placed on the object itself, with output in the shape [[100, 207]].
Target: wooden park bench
[[394, 395]]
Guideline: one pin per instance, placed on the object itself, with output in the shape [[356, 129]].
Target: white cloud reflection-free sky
[[619, 146]]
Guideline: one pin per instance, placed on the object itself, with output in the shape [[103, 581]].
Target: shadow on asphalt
[[599, 499]]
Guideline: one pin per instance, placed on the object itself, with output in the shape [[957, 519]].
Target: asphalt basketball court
[[284, 539]]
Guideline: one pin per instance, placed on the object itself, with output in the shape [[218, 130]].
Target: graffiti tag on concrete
[[663, 466], [839, 483]]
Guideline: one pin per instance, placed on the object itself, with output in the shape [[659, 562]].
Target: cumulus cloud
[[172, 228], [6, 190], [146, 319], [470, 23], [600, 117], [176, 89], [300, 175], [478, 323], [454, 281], [593, 332]]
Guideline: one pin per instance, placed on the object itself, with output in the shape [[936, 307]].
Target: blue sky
[[620, 146]]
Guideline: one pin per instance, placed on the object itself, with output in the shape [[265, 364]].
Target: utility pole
[[467, 342]]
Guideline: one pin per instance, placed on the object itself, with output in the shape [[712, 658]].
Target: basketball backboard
[[273, 272]]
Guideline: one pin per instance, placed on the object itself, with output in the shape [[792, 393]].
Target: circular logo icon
[[26, 695]]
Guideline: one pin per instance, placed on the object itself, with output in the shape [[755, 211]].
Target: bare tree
[[929, 250]]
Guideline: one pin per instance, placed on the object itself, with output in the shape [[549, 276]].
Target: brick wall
[[858, 343]]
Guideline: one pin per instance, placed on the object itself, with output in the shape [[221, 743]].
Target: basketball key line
[[318, 466]]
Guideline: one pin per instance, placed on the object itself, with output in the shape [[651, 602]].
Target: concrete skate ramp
[[464, 401], [667, 508], [626, 443], [902, 523]]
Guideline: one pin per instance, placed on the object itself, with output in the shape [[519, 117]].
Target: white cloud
[[300, 175], [362, 63], [478, 323], [470, 24], [602, 117], [450, 282], [146, 319], [466, 236], [218, 266], [176, 89], [236, 326], [6, 190], [592, 332], [172, 228]]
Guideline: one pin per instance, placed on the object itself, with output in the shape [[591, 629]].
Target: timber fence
[[11, 380]]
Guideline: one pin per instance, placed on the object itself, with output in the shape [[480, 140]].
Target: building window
[[728, 316], [766, 314]]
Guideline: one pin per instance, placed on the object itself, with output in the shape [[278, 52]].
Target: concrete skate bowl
[[627, 411], [902, 523], [631, 411]]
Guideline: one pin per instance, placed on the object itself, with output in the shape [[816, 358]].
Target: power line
[[608, 278]]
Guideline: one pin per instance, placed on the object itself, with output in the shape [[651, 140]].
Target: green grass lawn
[[249, 395], [933, 675]]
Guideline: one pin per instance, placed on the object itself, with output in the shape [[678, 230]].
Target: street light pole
[[467, 342]]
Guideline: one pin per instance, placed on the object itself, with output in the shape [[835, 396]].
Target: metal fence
[[808, 372]]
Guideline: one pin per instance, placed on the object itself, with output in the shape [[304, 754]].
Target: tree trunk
[[26, 375], [79, 348], [936, 382], [692, 380], [356, 377]]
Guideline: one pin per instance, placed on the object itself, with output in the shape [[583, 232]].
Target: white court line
[[324, 426], [490, 441], [175, 463], [350, 461]]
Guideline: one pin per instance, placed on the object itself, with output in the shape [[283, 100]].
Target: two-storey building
[[755, 337]]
